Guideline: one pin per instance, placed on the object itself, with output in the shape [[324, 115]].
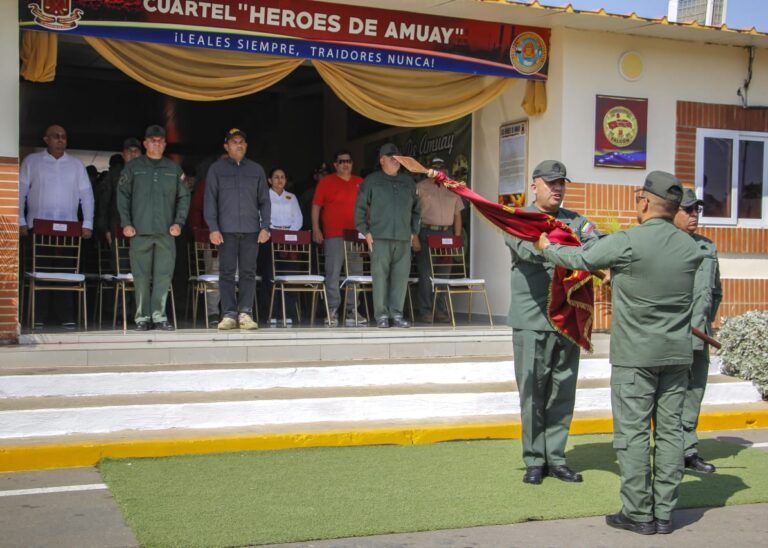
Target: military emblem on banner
[[56, 14], [621, 129], [528, 53]]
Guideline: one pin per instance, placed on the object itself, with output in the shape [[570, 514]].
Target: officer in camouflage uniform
[[387, 212], [653, 267], [707, 294], [153, 202], [546, 363]]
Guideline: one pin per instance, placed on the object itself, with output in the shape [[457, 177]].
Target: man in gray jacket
[[237, 210]]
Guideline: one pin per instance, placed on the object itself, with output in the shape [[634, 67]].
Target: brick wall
[[612, 207], [9, 250]]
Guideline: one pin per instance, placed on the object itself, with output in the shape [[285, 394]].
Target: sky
[[740, 13]]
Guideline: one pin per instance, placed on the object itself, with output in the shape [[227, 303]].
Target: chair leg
[[469, 313], [272, 302], [114, 307], [31, 304], [313, 302], [173, 308], [282, 300], [325, 300], [488, 306], [192, 301], [450, 307], [85, 308], [125, 310]]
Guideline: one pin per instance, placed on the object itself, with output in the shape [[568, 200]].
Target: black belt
[[437, 227]]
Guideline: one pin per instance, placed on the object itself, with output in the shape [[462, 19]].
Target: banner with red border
[[306, 29]]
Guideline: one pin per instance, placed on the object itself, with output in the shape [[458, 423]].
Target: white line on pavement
[[755, 445], [45, 490]]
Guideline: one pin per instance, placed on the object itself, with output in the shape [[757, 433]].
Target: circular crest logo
[[620, 126], [528, 53]]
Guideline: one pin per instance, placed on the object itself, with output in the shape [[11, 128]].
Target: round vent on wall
[[631, 66]]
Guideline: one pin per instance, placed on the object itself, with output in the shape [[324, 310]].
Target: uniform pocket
[[619, 441]]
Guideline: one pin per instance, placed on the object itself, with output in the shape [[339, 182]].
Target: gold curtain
[[394, 96], [409, 98], [38, 55], [194, 73], [535, 100]]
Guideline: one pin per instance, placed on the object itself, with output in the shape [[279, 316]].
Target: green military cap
[[664, 185], [389, 150], [690, 199], [154, 131], [550, 170], [131, 142]]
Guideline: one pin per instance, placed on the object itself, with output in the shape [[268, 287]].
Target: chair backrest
[[446, 256], [291, 252], [203, 252], [357, 260], [122, 249], [56, 246]]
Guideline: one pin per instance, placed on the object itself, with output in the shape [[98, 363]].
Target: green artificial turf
[[236, 499]]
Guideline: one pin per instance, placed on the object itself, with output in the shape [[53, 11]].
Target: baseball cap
[[388, 150], [664, 185], [690, 199], [550, 170], [234, 132], [154, 131], [131, 142]]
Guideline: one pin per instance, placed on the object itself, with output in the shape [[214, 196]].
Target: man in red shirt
[[335, 197]]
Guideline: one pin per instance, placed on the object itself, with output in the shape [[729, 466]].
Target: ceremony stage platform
[[70, 399]]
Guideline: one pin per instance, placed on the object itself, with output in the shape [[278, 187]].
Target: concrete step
[[63, 403], [105, 349]]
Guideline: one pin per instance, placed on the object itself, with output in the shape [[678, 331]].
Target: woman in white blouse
[[286, 213]]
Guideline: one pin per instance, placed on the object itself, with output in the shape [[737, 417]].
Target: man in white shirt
[[52, 184]]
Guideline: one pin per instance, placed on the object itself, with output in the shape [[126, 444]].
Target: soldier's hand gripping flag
[[571, 295]]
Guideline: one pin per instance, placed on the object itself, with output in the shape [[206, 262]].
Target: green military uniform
[[107, 215], [652, 273], [707, 294], [388, 208], [151, 198], [546, 363]]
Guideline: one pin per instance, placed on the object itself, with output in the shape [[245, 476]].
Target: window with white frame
[[731, 176]]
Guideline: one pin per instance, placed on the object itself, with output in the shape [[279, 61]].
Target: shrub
[[745, 348]]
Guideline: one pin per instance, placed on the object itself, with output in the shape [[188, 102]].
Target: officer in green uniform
[[546, 363], [707, 294], [107, 215], [153, 203], [387, 212], [652, 273]]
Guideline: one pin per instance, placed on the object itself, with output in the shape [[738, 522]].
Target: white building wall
[[9, 80], [673, 71], [584, 64]]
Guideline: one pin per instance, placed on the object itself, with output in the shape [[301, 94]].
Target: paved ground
[[36, 512]]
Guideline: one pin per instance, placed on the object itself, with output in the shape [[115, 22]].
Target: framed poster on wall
[[621, 132], [513, 154]]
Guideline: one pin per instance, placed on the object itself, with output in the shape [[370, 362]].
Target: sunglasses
[[690, 210], [344, 161]]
